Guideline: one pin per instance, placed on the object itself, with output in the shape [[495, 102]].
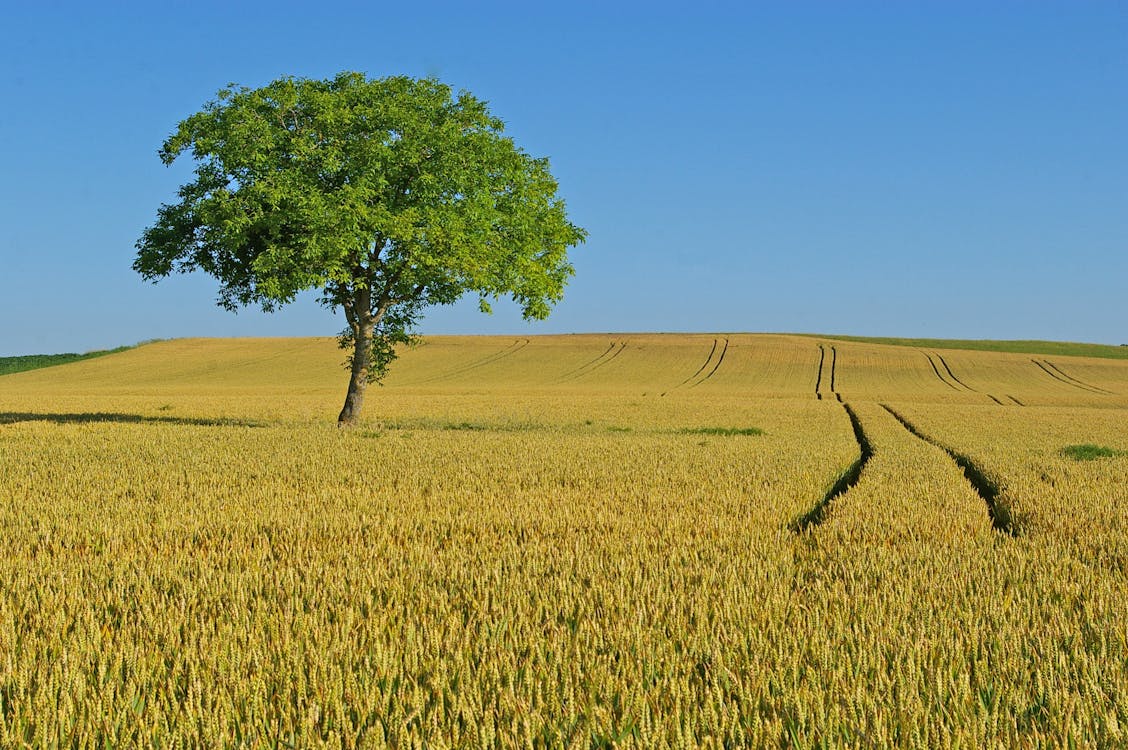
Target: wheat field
[[588, 541]]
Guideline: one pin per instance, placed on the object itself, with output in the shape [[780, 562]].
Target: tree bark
[[363, 323]]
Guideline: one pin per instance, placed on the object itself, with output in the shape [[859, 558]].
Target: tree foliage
[[388, 195]]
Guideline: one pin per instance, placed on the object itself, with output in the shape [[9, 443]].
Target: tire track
[[720, 359], [1061, 379], [845, 481], [952, 381], [986, 489], [1075, 380], [952, 375], [1012, 398], [510, 350], [596, 364], [589, 363], [833, 365], [936, 370], [701, 369], [833, 375], [818, 381]]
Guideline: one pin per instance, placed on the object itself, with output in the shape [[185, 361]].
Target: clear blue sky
[[951, 169]]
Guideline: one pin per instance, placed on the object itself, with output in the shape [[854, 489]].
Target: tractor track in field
[[1069, 377], [952, 375], [936, 370], [508, 351], [720, 359], [834, 376], [589, 363], [831, 376], [702, 367], [987, 490], [692, 380], [952, 381], [1012, 398], [833, 368], [818, 380], [1062, 378], [845, 481], [601, 361]]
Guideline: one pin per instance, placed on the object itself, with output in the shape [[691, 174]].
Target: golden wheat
[[561, 542]]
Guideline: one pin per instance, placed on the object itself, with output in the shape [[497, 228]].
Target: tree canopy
[[388, 195]]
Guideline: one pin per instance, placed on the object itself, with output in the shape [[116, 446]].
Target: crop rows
[[527, 545]]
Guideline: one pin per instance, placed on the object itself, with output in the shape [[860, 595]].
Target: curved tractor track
[[951, 374], [508, 351], [853, 473], [982, 484], [1057, 374], [564, 376], [952, 381], [936, 370], [987, 490], [845, 481], [602, 360], [697, 378], [716, 366]]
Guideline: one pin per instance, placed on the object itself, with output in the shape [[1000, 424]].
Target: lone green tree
[[388, 195]]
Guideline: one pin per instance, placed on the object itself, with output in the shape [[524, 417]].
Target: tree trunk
[[358, 381], [363, 323]]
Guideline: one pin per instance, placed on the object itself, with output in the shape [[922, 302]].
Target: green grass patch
[[722, 431], [10, 365], [1059, 348], [469, 427], [1089, 452], [463, 426]]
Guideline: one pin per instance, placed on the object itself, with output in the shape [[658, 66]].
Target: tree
[[388, 195]]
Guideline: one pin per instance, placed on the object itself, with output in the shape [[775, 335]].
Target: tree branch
[[377, 250], [386, 299], [380, 312], [350, 315], [414, 293]]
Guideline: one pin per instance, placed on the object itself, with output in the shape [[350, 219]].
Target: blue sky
[[948, 169]]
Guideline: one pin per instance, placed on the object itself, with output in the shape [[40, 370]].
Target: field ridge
[[1012, 346]]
